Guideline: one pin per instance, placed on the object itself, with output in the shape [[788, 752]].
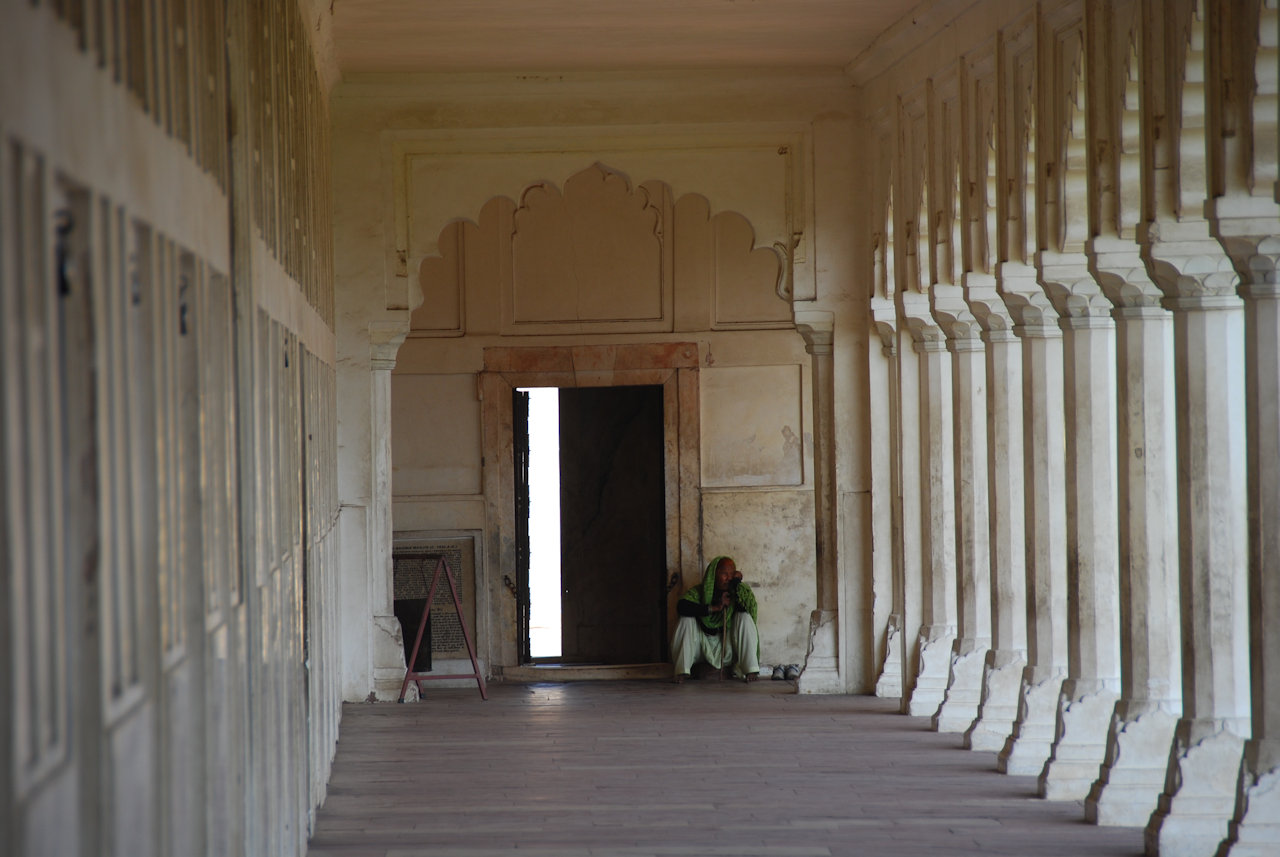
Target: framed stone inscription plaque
[[414, 564]]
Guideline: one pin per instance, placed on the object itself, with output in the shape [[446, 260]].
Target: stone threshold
[[582, 672]]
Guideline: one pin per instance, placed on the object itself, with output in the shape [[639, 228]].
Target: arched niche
[[599, 256], [493, 284]]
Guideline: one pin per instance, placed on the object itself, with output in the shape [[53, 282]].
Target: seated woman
[[717, 624]]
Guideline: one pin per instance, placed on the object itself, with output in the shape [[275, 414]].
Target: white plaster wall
[[413, 154], [769, 533], [150, 758], [751, 426], [435, 435]]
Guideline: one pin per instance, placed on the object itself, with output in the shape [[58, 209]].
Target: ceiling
[[539, 36]]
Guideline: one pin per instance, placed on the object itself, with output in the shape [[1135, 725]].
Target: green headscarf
[[744, 598]]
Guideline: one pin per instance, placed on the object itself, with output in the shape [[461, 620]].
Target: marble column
[[937, 487], [1028, 745], [959, 707], [1249, 229], [937, 512], [822, 665], [1092, 686], [1141, 728], [1255, 826], [1005, 661], [1199, 285], [911, 563]]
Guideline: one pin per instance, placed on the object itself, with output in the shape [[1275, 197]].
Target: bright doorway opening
[[544, 522]]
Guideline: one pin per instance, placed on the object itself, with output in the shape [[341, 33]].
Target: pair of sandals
[[787, 672]]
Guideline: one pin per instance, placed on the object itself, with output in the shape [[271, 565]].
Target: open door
[[520, 423], [612, 525]]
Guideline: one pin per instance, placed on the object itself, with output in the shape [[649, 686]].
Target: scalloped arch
[[598, 250]]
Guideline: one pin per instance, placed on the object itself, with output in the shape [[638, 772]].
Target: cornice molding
[[467, 86], [909, 34]]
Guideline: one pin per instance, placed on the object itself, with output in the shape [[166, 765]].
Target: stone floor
[[652, 768]]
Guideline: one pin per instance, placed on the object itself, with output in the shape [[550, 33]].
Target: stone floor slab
[[652, 768]]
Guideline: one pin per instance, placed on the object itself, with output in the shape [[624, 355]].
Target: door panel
[[612, 525]]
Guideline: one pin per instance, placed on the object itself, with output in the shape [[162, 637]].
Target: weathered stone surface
[[1193, 813], [770, 535], [1133, 772], [998, 706], [1255, 829], [959, 706], [889, 684], [1080, 744], [935, 643], [1028, 745]]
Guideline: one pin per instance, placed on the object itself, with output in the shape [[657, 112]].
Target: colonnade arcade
[[1077, 356]]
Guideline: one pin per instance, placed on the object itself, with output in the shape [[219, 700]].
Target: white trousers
[[689, 646]]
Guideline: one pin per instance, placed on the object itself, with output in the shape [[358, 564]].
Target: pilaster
[[385, 339], [822, 663]]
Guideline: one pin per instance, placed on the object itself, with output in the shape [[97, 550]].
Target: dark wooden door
[[612, 525]]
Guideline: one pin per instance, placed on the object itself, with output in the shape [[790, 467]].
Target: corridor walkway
[[652, 768]]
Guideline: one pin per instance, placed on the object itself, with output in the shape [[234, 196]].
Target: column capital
[[884, 321], [982, 294], [1118, 265], [1246, 227], [1203, 302], [1128, 312], [1260, 291], [1069, 284], [960, 345], [951, 312], [1023, 296], [1092, 321], [1187, 262], [385, 339], [1038, 331], [999, 334], [929, 346], [818, 329]]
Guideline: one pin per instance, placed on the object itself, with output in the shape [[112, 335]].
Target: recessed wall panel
[[751, 429]]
